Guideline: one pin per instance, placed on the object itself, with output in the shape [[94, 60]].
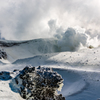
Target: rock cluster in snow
[[5, 75], [38, 83], [3, 54]]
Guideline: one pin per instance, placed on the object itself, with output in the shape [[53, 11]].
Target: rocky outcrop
[[3, 54], [10, 43], [38, 84], [4, 75]]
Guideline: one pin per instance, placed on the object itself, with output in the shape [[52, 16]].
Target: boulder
[[38, 83]]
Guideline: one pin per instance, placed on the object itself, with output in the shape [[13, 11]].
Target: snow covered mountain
[[79, 69], [24, 49]]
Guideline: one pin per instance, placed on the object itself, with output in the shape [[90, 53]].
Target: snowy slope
[[24, 49], [6, 93], [80, 69], [87, 59]]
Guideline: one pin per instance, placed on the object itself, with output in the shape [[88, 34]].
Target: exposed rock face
[[3, 54], [38, 84], [10, 43]]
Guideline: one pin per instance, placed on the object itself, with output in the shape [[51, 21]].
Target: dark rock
[[3, 54], [5, 75], [38, 83]]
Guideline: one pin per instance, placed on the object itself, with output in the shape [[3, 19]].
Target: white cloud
[[28, 19]]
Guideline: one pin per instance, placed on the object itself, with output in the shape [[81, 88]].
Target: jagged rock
[[38, 84], [3, 54]]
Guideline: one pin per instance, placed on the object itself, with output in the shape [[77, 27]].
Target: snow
[[6, 93], [27, 49], [79, 69]]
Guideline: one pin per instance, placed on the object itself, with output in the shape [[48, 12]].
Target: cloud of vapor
[[72, 39], [75, 38], [23, 19]]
